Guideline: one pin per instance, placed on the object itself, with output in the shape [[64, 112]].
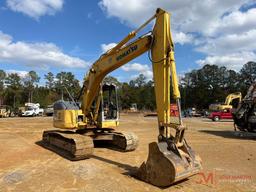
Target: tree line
[[211, 84], [199, 87], [16, 90]]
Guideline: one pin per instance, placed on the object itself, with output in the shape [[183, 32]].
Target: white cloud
[[22, 74], [232, 50], [106, 47], [230, 43], [35, 8], [232, 61], [182, 38], [4, 39], [220, 29], [41, 55], [236, 21], [187, 15], [140, 69]]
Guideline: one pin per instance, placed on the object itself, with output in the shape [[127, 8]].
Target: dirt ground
[[229, 159]]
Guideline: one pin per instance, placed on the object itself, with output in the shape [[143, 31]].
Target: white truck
[[32, 109], [48, 111]]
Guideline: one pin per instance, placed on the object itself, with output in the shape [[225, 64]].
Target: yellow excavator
[[4, 111], [170, 159], [228, 101]]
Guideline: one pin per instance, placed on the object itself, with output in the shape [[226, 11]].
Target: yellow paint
[[109, 124], [67, 119]]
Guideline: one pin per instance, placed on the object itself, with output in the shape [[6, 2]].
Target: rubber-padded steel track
[[69, 144]]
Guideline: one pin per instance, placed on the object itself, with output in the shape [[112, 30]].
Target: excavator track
[[126, 141], [77, 146], [69, 144]]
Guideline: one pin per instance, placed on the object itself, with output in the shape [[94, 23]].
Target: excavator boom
[[232, 96]]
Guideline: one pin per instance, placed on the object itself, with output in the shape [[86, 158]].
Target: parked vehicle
[[191, 112], [218, 115], [32, 109], [49, 110]]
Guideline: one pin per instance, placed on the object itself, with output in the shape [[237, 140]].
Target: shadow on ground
[[232, 134], [131, 171], [220, 121]]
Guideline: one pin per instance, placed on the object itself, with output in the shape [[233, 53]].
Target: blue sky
[[68, 35]]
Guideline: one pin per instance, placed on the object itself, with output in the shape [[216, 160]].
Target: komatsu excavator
[[170, 159], [228, 101]]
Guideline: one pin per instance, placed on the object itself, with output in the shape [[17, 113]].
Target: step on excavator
[[170, 159]]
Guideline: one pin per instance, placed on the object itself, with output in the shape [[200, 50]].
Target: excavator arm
[[232, 96], [170, 159], [160, 43], [107, 63]]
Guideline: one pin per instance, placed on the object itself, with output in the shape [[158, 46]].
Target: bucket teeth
[[166, 165]]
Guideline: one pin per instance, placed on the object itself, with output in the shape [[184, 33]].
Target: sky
[[68, 35]]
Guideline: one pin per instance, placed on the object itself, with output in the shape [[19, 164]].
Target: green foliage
[[49, 77], [29, 82], [248, 75], [13, 91], [18, 91], [138, 91], [198, 88], [66, 81], [2, 79], [212, 84], [112, 80]]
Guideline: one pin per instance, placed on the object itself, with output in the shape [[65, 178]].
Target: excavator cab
[[109, 114], [68, 114]]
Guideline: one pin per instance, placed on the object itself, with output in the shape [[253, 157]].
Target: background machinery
[[133, 108], [245, 114], [4, 111], [170, 159], [227, 104]]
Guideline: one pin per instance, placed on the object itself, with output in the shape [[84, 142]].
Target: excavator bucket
[[167, 164]]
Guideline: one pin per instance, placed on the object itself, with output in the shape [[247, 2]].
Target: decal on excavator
[[130, 50]]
